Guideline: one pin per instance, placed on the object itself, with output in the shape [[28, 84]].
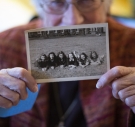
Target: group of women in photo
[[72, 60]]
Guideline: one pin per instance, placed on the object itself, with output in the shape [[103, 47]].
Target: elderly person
[[94, 108]]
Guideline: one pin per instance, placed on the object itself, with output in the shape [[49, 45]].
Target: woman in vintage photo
[[61, 59], [52, 60], [83, 60], [72, 61], [95, 59], [43, 62]]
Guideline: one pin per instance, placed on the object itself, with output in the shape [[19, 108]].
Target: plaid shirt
[[101, 109]]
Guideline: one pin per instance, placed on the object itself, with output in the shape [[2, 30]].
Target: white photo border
[[61, 28]]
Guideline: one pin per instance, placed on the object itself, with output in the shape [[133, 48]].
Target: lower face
[[93, 55], [70, 56], [61, 56], [72, 16], [51, 56], [42, 58], [82, 57]]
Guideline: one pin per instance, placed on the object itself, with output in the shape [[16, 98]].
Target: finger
[[112, 74], [19, 87], [130, 101], [133, 109], [115, 94], [14, 97], [24, 75], [127, 92], [5, 103], [14, 84], [120, 84]]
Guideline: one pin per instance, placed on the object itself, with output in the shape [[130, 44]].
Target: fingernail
[[36, 88], [98, 86]]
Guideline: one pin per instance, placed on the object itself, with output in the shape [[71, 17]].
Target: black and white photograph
[[79, 52]]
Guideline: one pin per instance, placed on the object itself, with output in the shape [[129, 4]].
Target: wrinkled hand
[[122, 81], [13, 83]]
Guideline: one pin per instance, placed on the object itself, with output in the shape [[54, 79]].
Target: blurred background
[[19, 12]]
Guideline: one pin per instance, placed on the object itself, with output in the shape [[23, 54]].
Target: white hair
[[106, 3]]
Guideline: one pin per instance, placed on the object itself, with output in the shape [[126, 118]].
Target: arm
[[95, 63], [87, 62]]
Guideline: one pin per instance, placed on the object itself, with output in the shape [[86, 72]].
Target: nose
[[72, 16]]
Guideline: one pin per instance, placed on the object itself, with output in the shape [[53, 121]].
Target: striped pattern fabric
[[99, 106]]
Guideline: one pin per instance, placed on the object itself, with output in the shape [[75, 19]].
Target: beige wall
[[14, 13]]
